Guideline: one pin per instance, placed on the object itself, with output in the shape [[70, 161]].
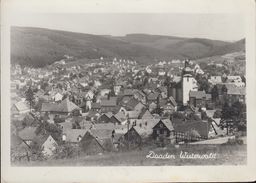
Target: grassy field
[[226, 155]]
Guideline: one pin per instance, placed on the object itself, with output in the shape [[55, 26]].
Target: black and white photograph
[[133, 89]]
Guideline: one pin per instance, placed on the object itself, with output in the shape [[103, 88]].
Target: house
[[108, 105], [89, 95], [163, 129], [47, 143], [140, 132], [92, 115], [97, 141], [66, 107], [19, 149], [237, 80], [73, 135], [140, 96], [215, 80], [235, 94], [133, 114], [134, 105], [118, 118], [145, 114], [199, 98], [20, 108], [95, 107], [27, 134], [105, 118], [57, 97]]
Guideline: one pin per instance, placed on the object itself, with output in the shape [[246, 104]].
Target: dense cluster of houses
[[104, 106]]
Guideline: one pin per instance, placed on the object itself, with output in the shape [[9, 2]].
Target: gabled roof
[[108, 114], [101, 133], [236, 91], [168, 124], [95, 105], [133, 114], [233, 78], [73, 134], [40, 139], [48, 107], [28, 133], [103, 126], [197, 94], [144, 127], [67, 106], [21, 106], [108, 103], [92, 114], [145, 114], [119, 116], [215, 79], [64, 106], [131, 104]]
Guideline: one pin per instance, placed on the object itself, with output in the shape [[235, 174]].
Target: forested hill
[[38, 47]]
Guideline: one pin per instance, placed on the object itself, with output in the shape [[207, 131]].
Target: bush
[[217, 114], [235, 141], [66, 150]]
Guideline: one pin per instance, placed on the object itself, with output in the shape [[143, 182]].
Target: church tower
[[188, 83]]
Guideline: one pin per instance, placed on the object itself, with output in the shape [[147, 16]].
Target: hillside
[[38, 47]]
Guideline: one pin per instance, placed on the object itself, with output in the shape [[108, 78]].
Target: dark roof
[[92, 114], [197, 94], [73, 134], [119, 116], [131, 104], [108, 103], [145, 114], [64, 106], [236, 91], [27, 133], [95, 105]]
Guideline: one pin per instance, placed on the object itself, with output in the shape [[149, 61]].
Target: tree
[[203, 83], [215, 93], [232, 116], [51, 129], [226, 112], [29, 94], [224, 89]]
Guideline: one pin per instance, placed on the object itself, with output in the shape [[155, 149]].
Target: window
[[165, 132]]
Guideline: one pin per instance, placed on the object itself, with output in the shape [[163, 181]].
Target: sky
[[227, 27]]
